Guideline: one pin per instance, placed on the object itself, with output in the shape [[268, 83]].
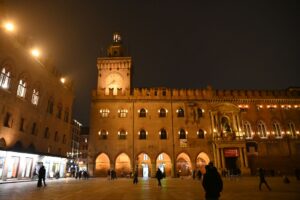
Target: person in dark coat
[[159, 176], [212, 183], [42, 174], [262, 179], [135, 177]]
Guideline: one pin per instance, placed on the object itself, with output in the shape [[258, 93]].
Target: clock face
[[114, 80]]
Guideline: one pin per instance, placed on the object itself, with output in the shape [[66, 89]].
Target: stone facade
[[36, 107], [178, 130]]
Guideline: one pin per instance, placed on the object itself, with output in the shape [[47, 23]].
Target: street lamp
[[9, 26], [35, 53]]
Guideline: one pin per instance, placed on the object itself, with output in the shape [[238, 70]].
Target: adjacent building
[[35, 111], [179, 130]]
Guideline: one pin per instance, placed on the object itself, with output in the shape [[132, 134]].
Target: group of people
[[111, 174], [82, 174]]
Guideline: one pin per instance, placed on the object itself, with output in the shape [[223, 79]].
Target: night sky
[[184, 44]]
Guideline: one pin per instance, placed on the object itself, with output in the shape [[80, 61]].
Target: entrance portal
[[232, 161]]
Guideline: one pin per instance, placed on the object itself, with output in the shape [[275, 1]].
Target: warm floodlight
[[63, 80], [35, 52], [9, 26]]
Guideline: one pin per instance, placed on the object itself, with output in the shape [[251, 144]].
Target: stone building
[[35, 111], [178, 130]]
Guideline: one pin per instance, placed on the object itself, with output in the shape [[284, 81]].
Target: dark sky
[[185, 44]]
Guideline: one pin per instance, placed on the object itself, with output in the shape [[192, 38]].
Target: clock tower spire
[[114, 70]]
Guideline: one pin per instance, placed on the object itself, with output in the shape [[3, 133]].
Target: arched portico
[[144, 165], [102, 165], [163, 162], [202, 160], [123, 165], [183, 165]]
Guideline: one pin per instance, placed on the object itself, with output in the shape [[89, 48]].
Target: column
[[241, 158], [153, 169], [218, 158], [222, 157], [245, 157]]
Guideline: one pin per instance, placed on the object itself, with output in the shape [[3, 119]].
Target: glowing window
[[21, 88], [35, 97], [276, 129], [262, 131], [247, 129], [4, 78], [104, 112], [103, 134], [123, 112]]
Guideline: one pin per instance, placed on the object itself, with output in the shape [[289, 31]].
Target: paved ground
[[173, 189]]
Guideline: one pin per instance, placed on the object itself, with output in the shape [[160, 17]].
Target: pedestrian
[[159, 176], [262, 179], [135, 177], [212, 182], [199, 174], [42, 174], [194, 174]]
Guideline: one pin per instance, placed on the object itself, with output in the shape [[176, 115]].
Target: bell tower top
[[116, 49]]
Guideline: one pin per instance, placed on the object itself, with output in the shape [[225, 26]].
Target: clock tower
[[114, 70]]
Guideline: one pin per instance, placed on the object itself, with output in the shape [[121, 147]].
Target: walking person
[[135, 177], [212, 182], [42, 174], [262, 179], [159, 176]]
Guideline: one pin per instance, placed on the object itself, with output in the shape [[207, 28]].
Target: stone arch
[[102, 165], [202, 160], [183, 165], [143, 165], [163, 161], [123, 165]]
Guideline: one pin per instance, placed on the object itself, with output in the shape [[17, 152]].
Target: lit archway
[[202, 160], [123, 166], [163, 162], [183, 165], [144, 165], [102, 165]]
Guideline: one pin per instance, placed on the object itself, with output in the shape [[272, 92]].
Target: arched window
[[180, 112], [50, 105], [276, 129], [142, 134], [4, 78], [199, 112], [247, 129], [142, 113], [182, 134], [103, 134], [163, 134], [35, 97], [292, 129], [66, 116], [262, 131], [162, 112], [122, 134], [21, 92], [200, 134]]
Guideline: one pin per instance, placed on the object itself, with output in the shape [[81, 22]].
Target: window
[[247, 129], [33, 129], [104, 112], [64, 139], [122, 134], [22, 121], [142, 135], [4, 78], [50, 105], [56, 136], [180, 112], [103, 134], [162, 112], [163, 134], [201, 134], [276, 129], [7, 119], [66, 117], [142, 113], [122, 112], [21, 88], [262, 132], [59, 111], [292, 129], [199, 112], [46, 133], [35, 97], [182, 134]]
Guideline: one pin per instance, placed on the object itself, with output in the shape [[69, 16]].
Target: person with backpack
[[212, 182]]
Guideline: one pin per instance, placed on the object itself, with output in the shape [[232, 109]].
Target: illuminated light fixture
[[9, 26], [297, 132], [35, 53], [62, 80], [252, 133]]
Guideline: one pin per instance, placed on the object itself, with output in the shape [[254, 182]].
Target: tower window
[[4, 78], [201, 134], [162, 112], [21, 88], [122, 112], [122, 134], [142, 113], [163, 134], [182, 134], [103, 134], [142, 135], [180, 112], [104, 112]]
